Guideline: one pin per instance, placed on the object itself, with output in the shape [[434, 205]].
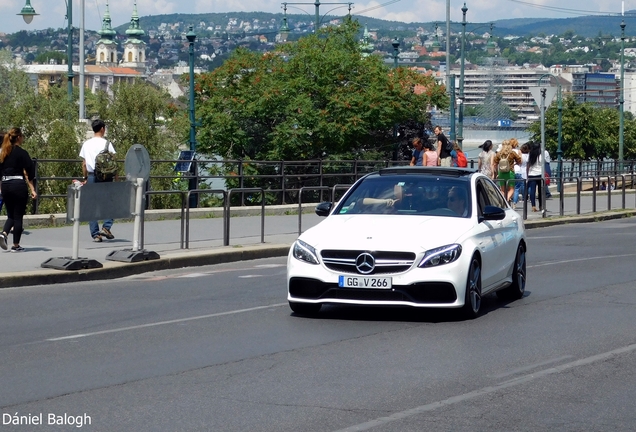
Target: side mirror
[[324, 208], [493, 213]]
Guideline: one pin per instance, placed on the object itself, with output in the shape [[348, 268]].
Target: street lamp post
[[317, 4], [396, 45], [193, 127], [193, 131], [621, 100], [559, 136], [460, 122], [28, 13], [448, 27], [559, 131]]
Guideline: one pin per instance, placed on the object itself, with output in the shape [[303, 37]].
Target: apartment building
[[510, 83]]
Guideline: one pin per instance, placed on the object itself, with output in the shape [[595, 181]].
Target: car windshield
[[410, 195]]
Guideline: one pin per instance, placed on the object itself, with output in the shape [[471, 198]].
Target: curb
[[587, 218], [115, 270]]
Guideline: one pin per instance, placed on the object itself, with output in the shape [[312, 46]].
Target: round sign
[[137, 163]]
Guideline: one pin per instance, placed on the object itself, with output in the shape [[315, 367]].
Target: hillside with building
[[496, 67]]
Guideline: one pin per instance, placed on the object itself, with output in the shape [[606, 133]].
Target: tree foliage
[[50, 123], [314, 98], [588, 132], [140, 113]]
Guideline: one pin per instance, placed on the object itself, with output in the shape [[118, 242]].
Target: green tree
[[140, 113], [136, 113], [44, 118], [45, 57], [314, 98], [588, 132]]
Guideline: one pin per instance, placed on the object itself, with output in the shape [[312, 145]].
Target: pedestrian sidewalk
[[164, 237], [160, 236]]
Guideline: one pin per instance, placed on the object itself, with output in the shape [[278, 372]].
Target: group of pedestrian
[[17, 172], [443, 153], [513, 165]]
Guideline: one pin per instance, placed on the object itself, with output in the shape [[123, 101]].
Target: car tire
[[472, 299], [518, 287], [305, 308]]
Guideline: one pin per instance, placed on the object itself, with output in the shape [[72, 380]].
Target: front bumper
[[435, 287]]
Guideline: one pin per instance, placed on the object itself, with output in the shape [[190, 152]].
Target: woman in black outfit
[[15, 164]]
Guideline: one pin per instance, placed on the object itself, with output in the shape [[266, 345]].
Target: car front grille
[[344, 261], [422, 292]]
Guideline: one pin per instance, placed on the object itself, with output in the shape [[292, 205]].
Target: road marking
[[150, 277], [160, 323], [531, 366], [249, 276], [487, 390], [193, 275], [581, 259]]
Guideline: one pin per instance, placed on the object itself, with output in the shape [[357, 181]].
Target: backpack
[[448, 146], [504, 165], [106, 166], [462, 162]]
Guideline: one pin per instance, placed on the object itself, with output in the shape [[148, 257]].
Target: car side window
[[482, 199], [493, 195]]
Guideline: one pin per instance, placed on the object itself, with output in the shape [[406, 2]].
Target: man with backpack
[[444, 148], [90, 151]]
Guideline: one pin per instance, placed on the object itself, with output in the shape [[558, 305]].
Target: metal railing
[[281, 182]]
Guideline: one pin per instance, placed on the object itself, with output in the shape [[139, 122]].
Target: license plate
[[364, 282]]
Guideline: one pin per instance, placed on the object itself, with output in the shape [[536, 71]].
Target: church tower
[[106, 46], [366, 44], [134, 47]]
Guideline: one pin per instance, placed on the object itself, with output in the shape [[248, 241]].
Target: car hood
[[386, 232]]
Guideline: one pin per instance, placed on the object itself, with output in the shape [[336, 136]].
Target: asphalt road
[[217, 349]]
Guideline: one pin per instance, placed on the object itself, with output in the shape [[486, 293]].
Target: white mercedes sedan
[[426, 237]]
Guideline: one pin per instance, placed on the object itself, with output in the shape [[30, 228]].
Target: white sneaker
[[3, 241]]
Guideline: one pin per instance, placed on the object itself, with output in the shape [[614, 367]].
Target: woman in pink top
[[430, 156]]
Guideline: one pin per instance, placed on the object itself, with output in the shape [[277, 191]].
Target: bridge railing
[[281, 181]]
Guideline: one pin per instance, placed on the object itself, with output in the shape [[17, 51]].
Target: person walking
[[458, 157], [533, 170], [548, 174], [1, 201], [418, 152], [89, 151], [16, 166], [518, 186], [484, 164], [503, 165], [523, 175], [444, 148]]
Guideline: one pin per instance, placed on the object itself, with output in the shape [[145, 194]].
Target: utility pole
[[460, 123]]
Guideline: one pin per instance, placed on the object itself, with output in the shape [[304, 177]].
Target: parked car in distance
[[426, 237]]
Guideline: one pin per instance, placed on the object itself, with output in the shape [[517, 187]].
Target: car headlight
[[303, 252], [441, 255]]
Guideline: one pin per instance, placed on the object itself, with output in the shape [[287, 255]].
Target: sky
[[53, 12]]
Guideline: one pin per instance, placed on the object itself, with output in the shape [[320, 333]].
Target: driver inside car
[[398, 194], [456, 200]]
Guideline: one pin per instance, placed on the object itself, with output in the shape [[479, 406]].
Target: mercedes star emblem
[[365, 263]]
